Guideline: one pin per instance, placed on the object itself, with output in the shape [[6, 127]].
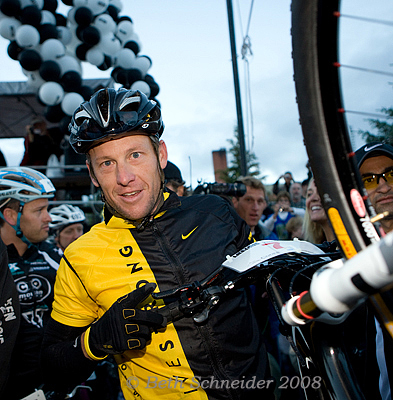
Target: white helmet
[[65, 215], [24, 184]]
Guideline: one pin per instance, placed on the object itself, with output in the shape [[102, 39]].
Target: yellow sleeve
[[72, 304]]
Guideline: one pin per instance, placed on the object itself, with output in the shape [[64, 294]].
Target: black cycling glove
[[123, 327]]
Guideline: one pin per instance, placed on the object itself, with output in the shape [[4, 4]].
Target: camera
[[237, 189]]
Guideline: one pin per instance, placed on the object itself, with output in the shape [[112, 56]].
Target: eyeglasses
[[371, 182]]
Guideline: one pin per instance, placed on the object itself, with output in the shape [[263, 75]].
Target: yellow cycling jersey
[[184, 360]]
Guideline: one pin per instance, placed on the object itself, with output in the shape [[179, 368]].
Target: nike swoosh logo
[[187, 236], [372, 147]]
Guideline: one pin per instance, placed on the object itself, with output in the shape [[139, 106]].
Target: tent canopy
[[19, 104]]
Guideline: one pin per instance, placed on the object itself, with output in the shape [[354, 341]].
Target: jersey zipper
[[178, 270]]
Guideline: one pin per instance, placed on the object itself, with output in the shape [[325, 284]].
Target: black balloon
[[115, 71], [50, 71], [54, 113], [14, 50], [154, 89], [124, 18], [113, 12], [67, 2], [86, 92], [133, 75], [83, 16], [81, 51], [61, 20], [30, 60], [90, 35], [122, 77], [48, 31], [50, 5], [132, 45], [10, 8], [31, 15], [71, 81], [106, 64]]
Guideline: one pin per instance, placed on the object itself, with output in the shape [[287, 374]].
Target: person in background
[[295, 228], [9, 316], [173, 179], [297, 199], [40, 143], [67, 224], [150, 238], [288, 179], [316, 226], [283, 212], [250, 207], [33, 263], [375, 162]]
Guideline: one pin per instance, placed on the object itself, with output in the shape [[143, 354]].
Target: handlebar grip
[[171, 312]]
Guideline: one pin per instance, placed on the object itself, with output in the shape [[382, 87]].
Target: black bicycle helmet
[[111, 114]]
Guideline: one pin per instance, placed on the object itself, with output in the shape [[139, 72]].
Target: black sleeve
[[9, 315], [63, 363]]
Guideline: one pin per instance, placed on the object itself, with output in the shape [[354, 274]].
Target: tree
[[384, 128], [233, 172]]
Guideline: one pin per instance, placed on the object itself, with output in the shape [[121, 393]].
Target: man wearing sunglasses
[[375, 161], [150, 239]]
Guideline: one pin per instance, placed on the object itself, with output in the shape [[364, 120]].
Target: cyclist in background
[[149, 238], [33, 263], [67, 224], [9, 316]]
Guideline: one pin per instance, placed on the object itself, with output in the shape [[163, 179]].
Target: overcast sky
[[188, 43]]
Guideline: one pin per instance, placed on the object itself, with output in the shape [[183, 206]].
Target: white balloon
[[47, 18], [105, 24], [69, 63], [64, 35], [71, 15], [124, 30], [124, 58], [79, 3], [27, 36], [51, 93], [109, 44], [95, 56], [143, 63], [71, 102], [8, 27], [97, 6], [52, 49], [142, 86], [38, 3]]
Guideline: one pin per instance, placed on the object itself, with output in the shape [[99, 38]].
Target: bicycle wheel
[[315, 29]]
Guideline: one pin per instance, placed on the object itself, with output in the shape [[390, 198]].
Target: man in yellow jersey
[[150, 240]]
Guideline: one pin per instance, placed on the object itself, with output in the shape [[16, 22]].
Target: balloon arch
[[51, 47]]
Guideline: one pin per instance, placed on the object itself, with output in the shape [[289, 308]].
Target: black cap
[[373, 149], [172, 173]]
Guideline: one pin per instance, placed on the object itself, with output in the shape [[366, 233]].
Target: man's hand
[[124, 327]]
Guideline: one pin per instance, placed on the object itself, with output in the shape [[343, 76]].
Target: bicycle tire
[[315, 34]]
